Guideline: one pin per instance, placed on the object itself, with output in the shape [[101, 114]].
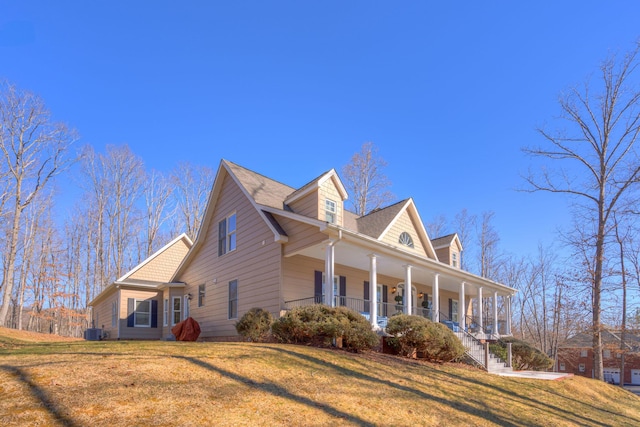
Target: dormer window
[[405, 239], [330, 209], [454, 259]]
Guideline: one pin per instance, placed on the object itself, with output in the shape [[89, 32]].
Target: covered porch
[[374, 279]]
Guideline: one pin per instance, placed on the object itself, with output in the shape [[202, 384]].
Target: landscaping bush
[[415, 336], [322, 325], [523, 355], [255, 324]]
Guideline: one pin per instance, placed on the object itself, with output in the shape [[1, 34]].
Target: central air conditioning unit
[[93, 334]]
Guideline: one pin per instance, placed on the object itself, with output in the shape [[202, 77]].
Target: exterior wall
[[141, 333], [307, 205], [571, 358], [300, 235], [102, 315], [255, 264], [163, 266], [328, 190], [445, 255], [402, 224], [168, 295]]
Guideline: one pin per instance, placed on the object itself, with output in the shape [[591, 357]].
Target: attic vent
[[405, 239]]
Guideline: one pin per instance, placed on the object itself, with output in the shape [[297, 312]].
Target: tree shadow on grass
[[277, 390], [508, 394], [41, 395]]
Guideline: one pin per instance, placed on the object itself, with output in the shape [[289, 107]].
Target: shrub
[[523, 355], [320, 325], [415, 336], [255, 324]]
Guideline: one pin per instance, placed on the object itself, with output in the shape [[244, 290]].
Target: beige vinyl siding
[[102, 314], [255, 264], [139, 333], [163, 266], [444, 255], [300, 235], [328, 190], [402, 224], [306, 205]]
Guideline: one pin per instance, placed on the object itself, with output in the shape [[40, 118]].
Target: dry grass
[[80, 383]]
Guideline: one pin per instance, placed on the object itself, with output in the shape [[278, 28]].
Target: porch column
[[435, 300], [373, 291], [495, 313], [328, 275], [508, 306], [407, 287], [461, 307], [480, 310]]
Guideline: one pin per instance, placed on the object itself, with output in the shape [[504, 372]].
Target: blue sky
[[449, 92]]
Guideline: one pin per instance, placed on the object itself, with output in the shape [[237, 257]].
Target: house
[[265, 244], [576, 355]]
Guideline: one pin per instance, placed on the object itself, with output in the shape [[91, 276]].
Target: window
[[606, 353], [454, 259], [233, 299], [186, 307], [227, 235], [200, 295], [165, 321], [177, 312], [581, 367], [454, 310], [114, 314], [330, 210], [583, 353], [562, 366], [142, 313], [405, 239]]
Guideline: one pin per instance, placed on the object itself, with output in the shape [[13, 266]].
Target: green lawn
[[80, 383]]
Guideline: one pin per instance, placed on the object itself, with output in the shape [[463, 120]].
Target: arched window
[[405, 239]]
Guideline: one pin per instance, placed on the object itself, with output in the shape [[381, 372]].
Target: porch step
[[475, 351]]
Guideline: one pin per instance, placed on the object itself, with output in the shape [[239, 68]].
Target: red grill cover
[[187, 330]]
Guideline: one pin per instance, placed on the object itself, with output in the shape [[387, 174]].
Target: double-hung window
[[227, 235], [330, 210], [233, 299], [200, 295], [165, 320], [177, 311], [142, 313]]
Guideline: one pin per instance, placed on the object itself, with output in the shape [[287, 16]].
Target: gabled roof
[[183, 237], [376, 222], [263, 190], [410, 207], [315, 184], [445, 241]]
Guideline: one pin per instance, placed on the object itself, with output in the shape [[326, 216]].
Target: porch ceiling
[[355, 256]]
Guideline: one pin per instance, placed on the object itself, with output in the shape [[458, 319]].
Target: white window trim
[[202, 293], [185, 307], [165, 321], [330, 211], [173, 310], [229, 299], [231, 233], [135, 313]]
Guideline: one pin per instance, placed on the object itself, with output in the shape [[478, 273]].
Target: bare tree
[[488, 238], [191, 189], [598, 161], [436, 227], [365, 180], [157, 192], [34, 150], [464, 224]]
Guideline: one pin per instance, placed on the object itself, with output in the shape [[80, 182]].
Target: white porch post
[[495, 313], [328, 273], [373, 291], [480, 310], [508, 331], [407, 287], [461, 307], [435, 300]]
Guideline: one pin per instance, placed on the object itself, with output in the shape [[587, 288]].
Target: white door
[[612, 374], [635, 376]]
